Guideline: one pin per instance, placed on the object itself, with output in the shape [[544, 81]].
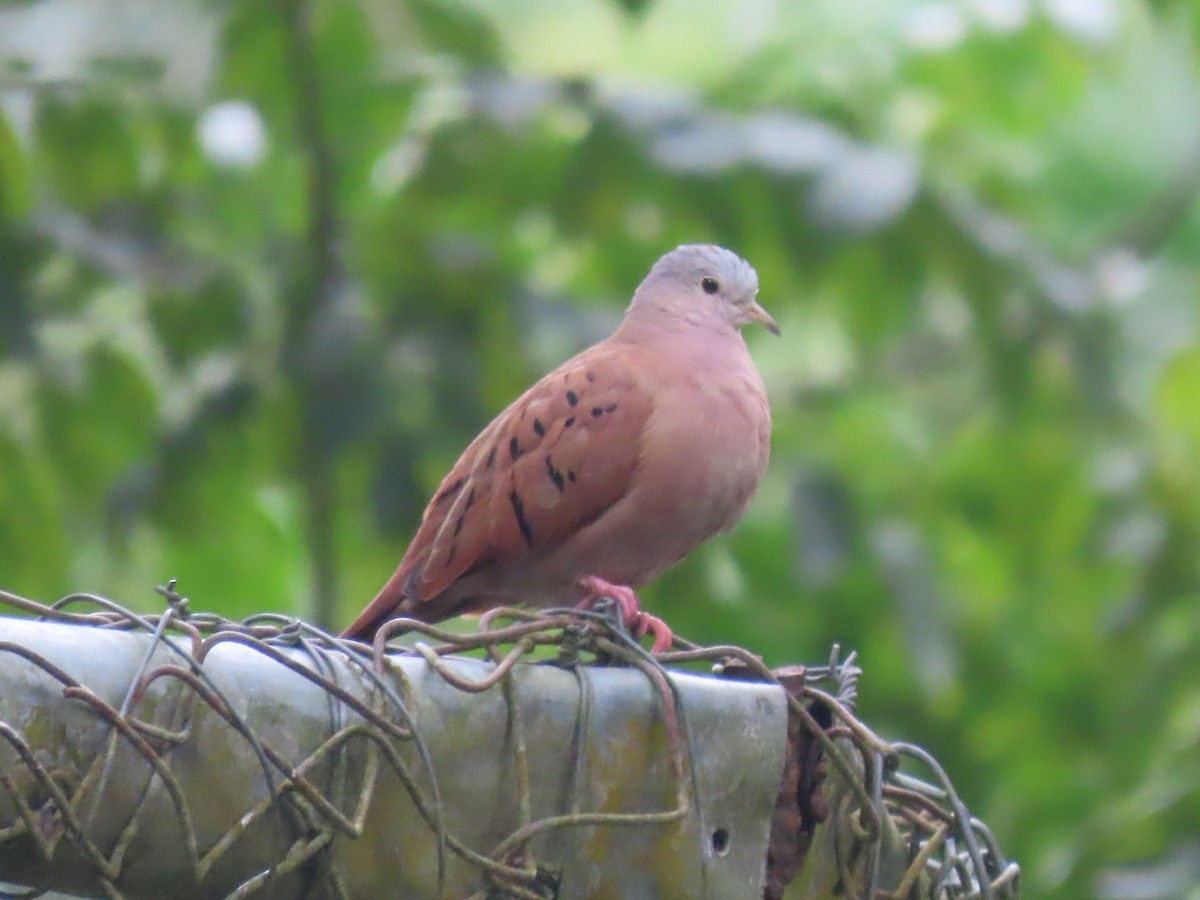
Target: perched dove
[[610, 469]]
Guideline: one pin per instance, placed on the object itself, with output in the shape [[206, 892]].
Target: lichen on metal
[[184, 755]]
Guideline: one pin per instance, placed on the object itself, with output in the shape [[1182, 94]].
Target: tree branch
[[317, 290]]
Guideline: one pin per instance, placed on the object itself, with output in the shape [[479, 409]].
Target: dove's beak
[[755, 313]]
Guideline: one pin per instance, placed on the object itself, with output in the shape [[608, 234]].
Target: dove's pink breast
[[704, 452]]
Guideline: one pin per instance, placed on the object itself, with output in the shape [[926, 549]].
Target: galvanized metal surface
[[594, 739]]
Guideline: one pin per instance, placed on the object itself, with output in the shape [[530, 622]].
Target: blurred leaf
[[453, 26], [635, 8], [14, 174], [1177, 399], [92, 172], [128, 68]]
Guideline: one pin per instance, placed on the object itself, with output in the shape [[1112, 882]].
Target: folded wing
[[549, 465]]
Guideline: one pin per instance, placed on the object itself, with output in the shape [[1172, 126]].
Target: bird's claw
[[644, 624], [639, 622]]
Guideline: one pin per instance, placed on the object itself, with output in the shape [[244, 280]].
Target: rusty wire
[[952, 856]]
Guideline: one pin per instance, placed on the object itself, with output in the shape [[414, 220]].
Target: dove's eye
[[710, 285]]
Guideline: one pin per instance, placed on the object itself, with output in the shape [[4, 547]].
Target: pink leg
[[638, 622]]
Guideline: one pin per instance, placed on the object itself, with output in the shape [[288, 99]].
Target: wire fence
[[879, 804]]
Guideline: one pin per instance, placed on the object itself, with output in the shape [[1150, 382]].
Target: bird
[[607, 471]]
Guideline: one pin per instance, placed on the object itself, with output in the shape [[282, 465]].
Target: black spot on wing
[[572, 398], [448, 491], [522, 523], [539, 428], [555, 474], [514, 448], [491, 457], [569, 422]]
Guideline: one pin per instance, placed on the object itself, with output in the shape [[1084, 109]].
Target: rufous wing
[[550, 464]]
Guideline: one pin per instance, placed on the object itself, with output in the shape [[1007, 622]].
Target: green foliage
[[264, 272]]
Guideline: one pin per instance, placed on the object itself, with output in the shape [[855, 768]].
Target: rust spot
[[800, 805]]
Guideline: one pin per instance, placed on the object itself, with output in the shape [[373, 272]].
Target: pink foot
[[638, 622]]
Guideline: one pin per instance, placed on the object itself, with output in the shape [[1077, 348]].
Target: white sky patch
[[933, 27], [232, 134], [1092, 21], [1001, 16]]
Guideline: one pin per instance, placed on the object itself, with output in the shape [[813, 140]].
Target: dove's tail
[[396, 598]]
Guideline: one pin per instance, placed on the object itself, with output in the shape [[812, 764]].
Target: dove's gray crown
[[690, 262]]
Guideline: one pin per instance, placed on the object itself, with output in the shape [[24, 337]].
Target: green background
[[265, 268]]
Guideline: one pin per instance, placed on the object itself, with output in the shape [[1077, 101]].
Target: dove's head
[[704, 285]]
